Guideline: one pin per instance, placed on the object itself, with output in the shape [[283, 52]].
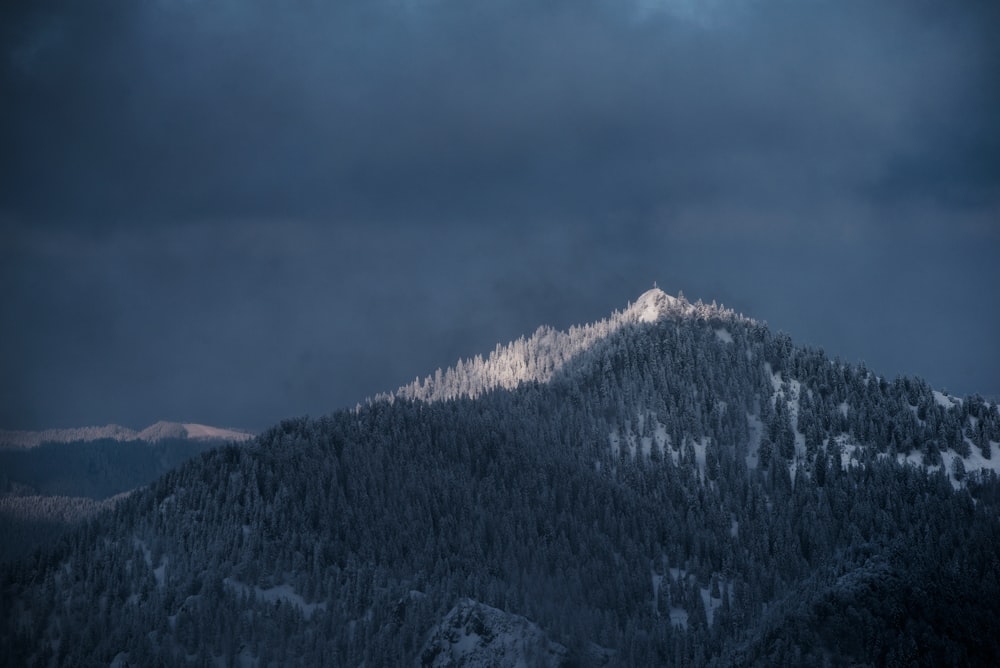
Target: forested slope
[[690, 489], [50, 487]]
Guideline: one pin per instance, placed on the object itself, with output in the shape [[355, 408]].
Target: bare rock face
[[474, 635]]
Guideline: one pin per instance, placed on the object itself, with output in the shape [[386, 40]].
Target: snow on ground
[[643, 444], [700, 446], [160, 572], [630, 442], [793, 408], [657, 579], [947, 461], [199, 432], [848, 448], [776, 380], [652, 305], [279, 593], [711, 604], [646, 445], [791, 399], [976, 461], [945, 401], [662, 440], [145, 551], [679, 617], [756, 430], [205, 432]]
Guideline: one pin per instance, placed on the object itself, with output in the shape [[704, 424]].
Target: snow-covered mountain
[[676, 485], [153, 433], [548, 351]]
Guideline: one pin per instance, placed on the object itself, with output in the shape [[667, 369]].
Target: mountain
[[675, 485], [10, 439], [546, 352], [53, 480]]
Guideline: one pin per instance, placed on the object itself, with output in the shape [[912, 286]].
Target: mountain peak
[[653, 305], [548, 351]]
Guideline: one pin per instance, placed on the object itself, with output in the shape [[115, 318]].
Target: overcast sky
[[236, 211]]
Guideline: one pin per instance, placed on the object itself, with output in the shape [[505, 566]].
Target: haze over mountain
[[673, 485]]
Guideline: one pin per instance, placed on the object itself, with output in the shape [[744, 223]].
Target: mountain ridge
[[547, 351], [153, 433], [685, 491]]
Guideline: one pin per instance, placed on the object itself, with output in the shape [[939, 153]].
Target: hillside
[[677, 485], [53, 480]]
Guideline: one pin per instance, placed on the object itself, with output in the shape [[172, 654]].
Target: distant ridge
[[10, 439]]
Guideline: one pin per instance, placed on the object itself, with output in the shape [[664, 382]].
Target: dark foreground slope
[[49, 488], [674, 494]]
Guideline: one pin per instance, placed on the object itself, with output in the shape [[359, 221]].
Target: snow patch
[[630, 437], [776, 381], [679, 617], [944, 401], [976, 462], [700, 447], [848, 450], [279, 593], [646, 445], [657, 579], [160, 572], [711, 604], [723, 335], [756, 429]]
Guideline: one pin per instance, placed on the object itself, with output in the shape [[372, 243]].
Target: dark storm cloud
[[165, 110], [235, 211]]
